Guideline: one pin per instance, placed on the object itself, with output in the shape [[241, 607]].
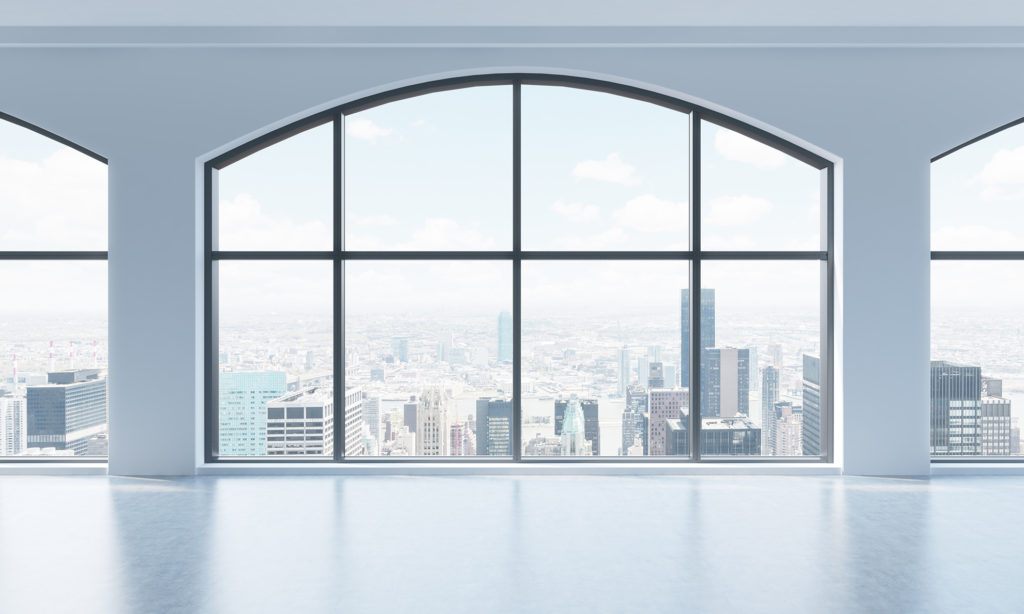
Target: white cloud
[[1002, 177], [434, 234], [739, 148], [974, 237], [576, 212], [737, 210], [244, 224], [608, 239], [365, 129], [372, 220], [648, 213], [612, 169]]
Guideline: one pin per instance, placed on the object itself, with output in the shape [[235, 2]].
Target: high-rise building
[[354, 421], [67, 411], [991, 387], [633, 422], [811, 428], [955, 409], [494, 427], [729, 437], [656, 375], [13, 430], [643, 370], [775, 355], [670, 378], [707, 329], [769, 397], [677, 438], [785, 435], [432, 423], [664, 405], [624, 370], [242, 410], [996, 426], [752, 377], [727, 390], [409, 410], [301, 423], [654, 353], [372, 417], [592, 429], [444, 347], [504, 337], [400, 348], [573, 437]]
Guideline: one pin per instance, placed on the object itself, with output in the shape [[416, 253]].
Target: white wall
[[883, 112]]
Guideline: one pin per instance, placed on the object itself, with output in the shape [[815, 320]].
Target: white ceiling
[[773, 13]]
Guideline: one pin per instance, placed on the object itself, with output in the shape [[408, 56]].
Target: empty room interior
[[452, 306]]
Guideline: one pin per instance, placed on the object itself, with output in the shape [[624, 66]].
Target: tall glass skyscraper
[[67, 411], [812, 406], [707, 330], [494, 427], [955, 409], [244, 396], [592, 429]]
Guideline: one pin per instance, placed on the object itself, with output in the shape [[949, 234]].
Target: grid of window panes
[[53, 311], [977, 358], [498, 271]]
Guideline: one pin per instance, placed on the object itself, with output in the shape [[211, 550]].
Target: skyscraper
[[67, 411], [643, 369], [729, 437], [769, 397], [664, 405], [707, 329], [301, 422], [504, 337], [811, 433], [592, 430], [633, 424], [955, 409], [677, 438], [996, 426], [432, 423], [656, 376], [13, 433], [372, 418], [242, 415], [755, 381], [409, 413], [624, 370], [573, 437], [725, 384], [785, 437], [354, 421], [400, 348], [494, 427]]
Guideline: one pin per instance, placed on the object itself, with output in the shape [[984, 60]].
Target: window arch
[[977, 232], [53, 319], [499, 268]]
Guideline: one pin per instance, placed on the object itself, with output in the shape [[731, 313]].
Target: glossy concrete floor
[[511, 544]]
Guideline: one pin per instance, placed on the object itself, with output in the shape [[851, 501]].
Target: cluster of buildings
[[969, 415]]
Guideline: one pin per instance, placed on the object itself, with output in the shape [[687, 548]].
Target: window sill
[[51, 468], [978, 468], [533, 468]]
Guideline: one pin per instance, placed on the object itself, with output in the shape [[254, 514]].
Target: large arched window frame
[[54, 256], [694, 257]]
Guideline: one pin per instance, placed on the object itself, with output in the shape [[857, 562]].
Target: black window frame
[[56, 255], [694, 256], [956, 255]]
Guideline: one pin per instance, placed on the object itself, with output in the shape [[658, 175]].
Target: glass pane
[[279, 198], [755, 197], [276, 387], [53, 359], [977, 195], [601, 346], [760, 374], [603, 172], [429, 345], [52, 197], [432, 172], [977, 369]]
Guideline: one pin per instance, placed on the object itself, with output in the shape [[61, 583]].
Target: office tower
[[432, 423], [590, 416], [444, 347], [677, 438], [242, 410], [669, 375], [811, 406], [643, 370], [372, 417], [400, 348], [301, 422], [1014, 435], [457, 439], [633, 427], [354, 421], [664, 405], [752, 377], [309, 360], [494, 427], [66, 411], [504, 337], [769, 397], [996, 426], [573, 437], [656, 376], [727, 393], [624, 370], [991, 387], [775, 355], [13, 430], [707, 329], [785, 436], [729, 436], [955, 409], [409, 410], [654, 353]]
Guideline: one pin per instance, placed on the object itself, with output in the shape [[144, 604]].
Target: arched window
[[977, 368], [500, 268], [53, 284]]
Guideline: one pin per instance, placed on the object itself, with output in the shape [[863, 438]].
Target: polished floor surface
[[511, 544]]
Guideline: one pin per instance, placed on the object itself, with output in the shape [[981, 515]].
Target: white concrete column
[[153, 275]]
